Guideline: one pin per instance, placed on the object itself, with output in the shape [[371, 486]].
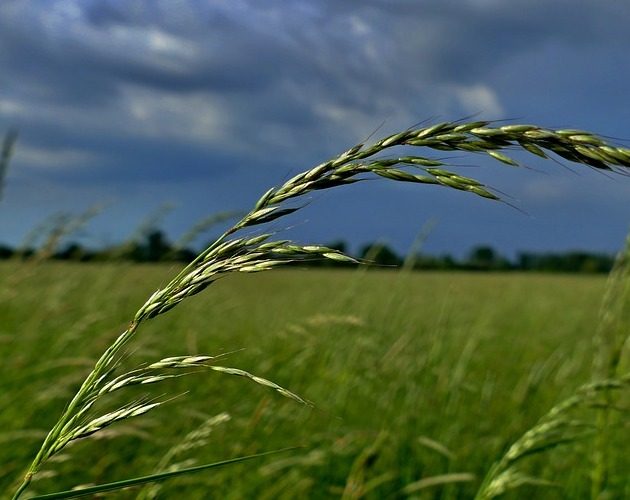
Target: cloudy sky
[[205, 104]]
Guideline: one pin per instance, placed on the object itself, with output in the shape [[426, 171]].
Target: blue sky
[[205, 105]]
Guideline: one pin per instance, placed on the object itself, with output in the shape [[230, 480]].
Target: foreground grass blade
[[162, 476], [439, 480]]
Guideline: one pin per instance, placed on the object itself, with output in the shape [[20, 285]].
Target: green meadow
[[419, 381]]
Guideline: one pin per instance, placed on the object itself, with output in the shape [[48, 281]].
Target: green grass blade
[[126, 483]]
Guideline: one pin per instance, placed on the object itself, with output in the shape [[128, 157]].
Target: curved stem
[[23, 486]]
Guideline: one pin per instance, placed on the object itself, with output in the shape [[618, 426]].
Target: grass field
[[413, 375]]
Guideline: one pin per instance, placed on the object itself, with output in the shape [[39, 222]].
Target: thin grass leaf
[[126, 483], [429, 482], [261, 381]]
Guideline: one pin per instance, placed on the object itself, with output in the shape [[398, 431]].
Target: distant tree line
[[155, 247], [486, 258]]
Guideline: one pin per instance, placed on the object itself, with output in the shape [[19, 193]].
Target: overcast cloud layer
[[206, 104]]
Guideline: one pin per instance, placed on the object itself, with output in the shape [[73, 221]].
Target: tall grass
[[254, 252]]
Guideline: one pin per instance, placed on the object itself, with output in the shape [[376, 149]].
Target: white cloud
[[359, 26], [587, 187], [10, 107], [194, 117], [58, 159], [479, 99], [547, 190], [150, 45]]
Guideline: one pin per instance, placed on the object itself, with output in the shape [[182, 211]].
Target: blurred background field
[[413, 375]]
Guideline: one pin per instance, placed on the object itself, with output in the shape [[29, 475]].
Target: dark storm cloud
[[172, 92], [277, 62]]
